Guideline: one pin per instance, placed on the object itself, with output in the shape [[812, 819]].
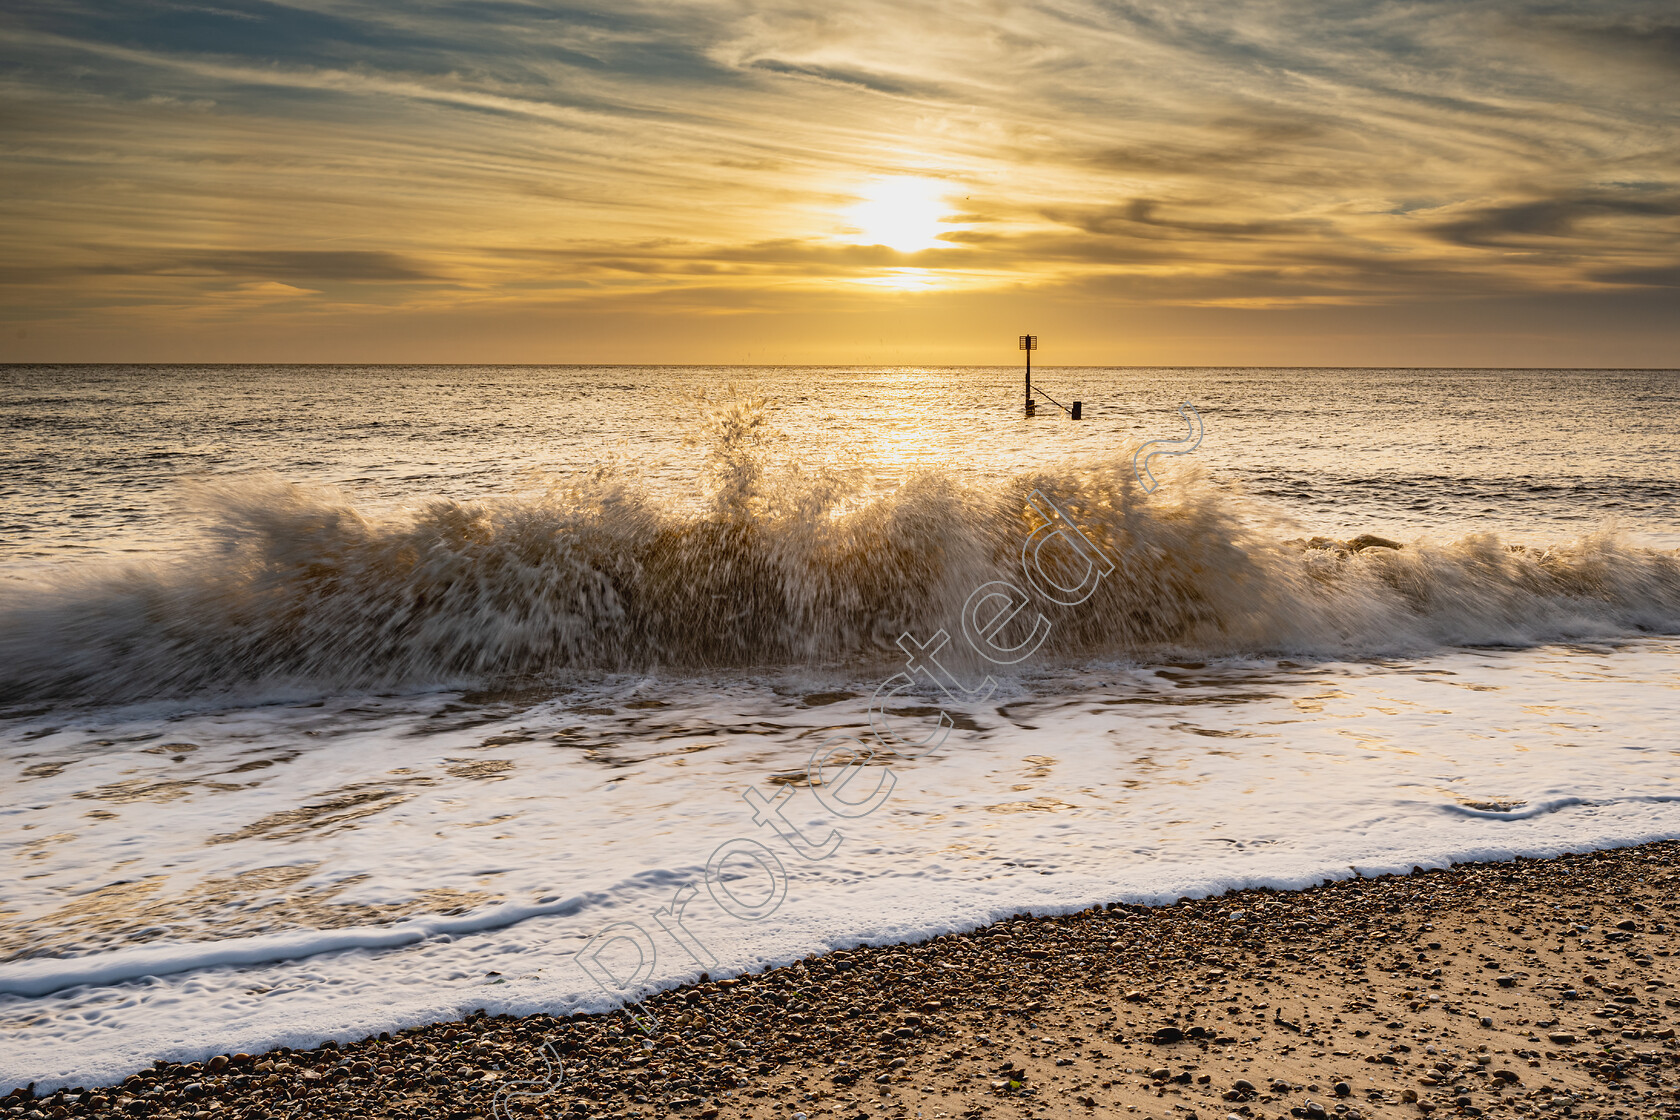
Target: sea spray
[[779, 565]]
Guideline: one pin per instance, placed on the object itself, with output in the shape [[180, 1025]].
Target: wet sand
[[1531, 988]]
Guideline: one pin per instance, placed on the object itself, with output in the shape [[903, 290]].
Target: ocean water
[[334, 700]]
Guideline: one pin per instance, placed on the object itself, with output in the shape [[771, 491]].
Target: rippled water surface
[[94, 456]]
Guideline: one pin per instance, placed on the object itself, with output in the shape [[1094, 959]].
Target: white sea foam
[[265, 905]]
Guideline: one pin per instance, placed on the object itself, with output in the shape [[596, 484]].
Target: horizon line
[[804, 365]]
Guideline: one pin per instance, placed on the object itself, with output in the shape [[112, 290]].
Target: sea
[[340, 699]]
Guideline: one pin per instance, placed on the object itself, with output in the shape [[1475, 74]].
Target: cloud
[[316, 266], [302, 264], [1531, 222], [846, 76], [265, 291], [518, 152], [1659, 276], [296, 264], [1141, 217]]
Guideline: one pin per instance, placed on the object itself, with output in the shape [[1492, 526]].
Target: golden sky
[[1320, 182]]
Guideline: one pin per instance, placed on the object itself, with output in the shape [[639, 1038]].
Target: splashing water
[[780, 566]]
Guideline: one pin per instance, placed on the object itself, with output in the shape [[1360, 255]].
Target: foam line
[[1539, 808], [43, 977]]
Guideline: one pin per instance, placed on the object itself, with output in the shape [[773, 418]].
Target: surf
[[773, 564]]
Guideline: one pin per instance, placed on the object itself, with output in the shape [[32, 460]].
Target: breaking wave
[[779, 566]]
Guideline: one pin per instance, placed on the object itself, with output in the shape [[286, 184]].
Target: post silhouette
[[1029, 343]]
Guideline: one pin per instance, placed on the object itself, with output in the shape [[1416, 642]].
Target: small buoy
[[1075, 412]]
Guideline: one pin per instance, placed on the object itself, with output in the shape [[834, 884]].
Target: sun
[[902, 213]]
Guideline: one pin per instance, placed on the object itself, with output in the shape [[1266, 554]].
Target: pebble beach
[[1525, 988]]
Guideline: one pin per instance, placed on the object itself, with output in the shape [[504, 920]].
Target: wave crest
[[779, 566]]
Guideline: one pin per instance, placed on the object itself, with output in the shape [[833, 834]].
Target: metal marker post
[[1029, 343]]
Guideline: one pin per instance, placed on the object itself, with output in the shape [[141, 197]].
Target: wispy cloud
[[1587, 221], [439, 159]]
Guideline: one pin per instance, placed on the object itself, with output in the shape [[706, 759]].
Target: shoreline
[[1341, 1000]]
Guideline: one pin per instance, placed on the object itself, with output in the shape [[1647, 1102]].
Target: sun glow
[[902, 214], [906, 280]]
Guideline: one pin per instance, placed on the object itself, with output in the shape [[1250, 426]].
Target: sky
[[1139, 182]]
